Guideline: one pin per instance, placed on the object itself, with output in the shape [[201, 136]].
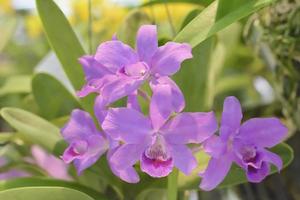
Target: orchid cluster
[[160, 140]]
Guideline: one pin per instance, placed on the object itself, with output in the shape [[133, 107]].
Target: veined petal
[[127, 125], [114, 55], [127, 155], [129, 174], [80, 125], [190, 128], [263, 132], [215, 172], [146, 43], [183, 158], [156, 168], [231, 116], [167, 59]]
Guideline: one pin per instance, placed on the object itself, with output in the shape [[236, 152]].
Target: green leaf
[[16, 84], [32, 128], [44, 88], [65, 44], [190, 16], [45, 193], [128, 30], [199, 2], [236, 174], [6, 137], [227, 6], [232, 82], [33, 182], [205, 25], [192, 78]]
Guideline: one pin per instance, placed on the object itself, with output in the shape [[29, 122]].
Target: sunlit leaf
[[199, 2], [205, 25], [45, 193], [33, 182], [18, 84], [32, 128], [64, 43]]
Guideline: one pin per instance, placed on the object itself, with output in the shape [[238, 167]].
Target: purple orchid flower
[[243, 144], [158, 141], [116, 70], [87, 144]]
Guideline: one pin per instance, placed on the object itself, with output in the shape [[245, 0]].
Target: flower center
[[158, 150], [248, 153], [136, 70]]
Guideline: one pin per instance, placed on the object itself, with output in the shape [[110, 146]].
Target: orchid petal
[[146, 43], [168, 58], [231, 116], [114, 55], [129, 174], [127, 155], [190, 128], [263, 132], [161, 105], [273, 159], [80, 125], [132, 101], [215, 172], [257, 175], [127, 125], [183, 158]]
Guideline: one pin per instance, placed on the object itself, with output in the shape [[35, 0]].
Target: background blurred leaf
[[45, 193], [32, 128], [65, 44], [16, 84], [200, 2], [7, 27], [32, 182], [53, 98], [205, 25], [128, 30]]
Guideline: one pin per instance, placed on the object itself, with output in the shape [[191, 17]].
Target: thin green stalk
[[90, 27], [170, 19], [172, 185]]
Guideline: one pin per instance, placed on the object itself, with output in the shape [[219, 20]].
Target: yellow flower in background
[[6, 6], [33, 26], [178, 11]]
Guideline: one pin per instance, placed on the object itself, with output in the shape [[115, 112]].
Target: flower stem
[[172, 185], [170, 19], [90, 27]]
